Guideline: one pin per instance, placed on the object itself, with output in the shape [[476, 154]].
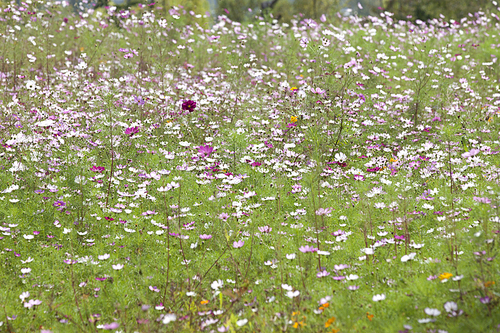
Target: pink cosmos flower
[[307, 248], [238, 244], [322, 274], [324, 211], [204, 237], [317, 91], [471, 153], [111, 326]]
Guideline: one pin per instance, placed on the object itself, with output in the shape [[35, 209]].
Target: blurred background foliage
[[245, 10], [428, 9], [286, 10]]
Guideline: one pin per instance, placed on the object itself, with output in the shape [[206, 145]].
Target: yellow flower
[[445, 276], [369, 316], [393, 160], [293, 88], [81, 49], [294, 119], [329, 322], [204, 302]]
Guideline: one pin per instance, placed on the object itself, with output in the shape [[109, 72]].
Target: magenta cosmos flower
[[132, 130], [189, 105], [205, 151], [98, 169]]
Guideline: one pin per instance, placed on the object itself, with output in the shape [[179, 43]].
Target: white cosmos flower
[[290, 256], [432, 312], [292, 294], [340, 157], [426, 320], [168, 318], [117, 267], [367, 251], [286, 287], [26, 294], [450, 306], [104, 256], [242, 322], [185, 143], [45, 123], [427, 206], [216, 285], [407, 257], [352, 277], [25, 270], [31, 85], [80, 180], [377, 298]]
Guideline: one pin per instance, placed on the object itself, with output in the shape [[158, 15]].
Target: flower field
[[161, 174]]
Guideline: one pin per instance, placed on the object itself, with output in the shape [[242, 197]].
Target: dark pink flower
[[97, 169], [132, 130], [189, 105]]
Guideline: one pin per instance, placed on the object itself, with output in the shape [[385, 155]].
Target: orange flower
[[369, 316], [329, 322], [324, 306], [293, 119], [299, 323], [445, 276], [204, 302], [489, 283]]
